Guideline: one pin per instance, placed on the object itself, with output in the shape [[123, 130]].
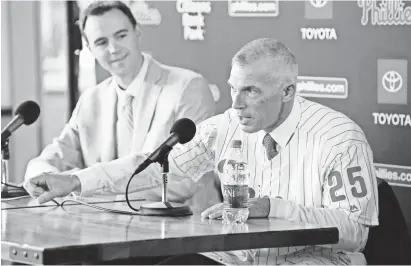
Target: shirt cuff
[[71, 171], [280, 208], [90, 180], [37, 167]]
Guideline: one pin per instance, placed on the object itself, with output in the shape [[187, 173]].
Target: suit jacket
[[169, 93]]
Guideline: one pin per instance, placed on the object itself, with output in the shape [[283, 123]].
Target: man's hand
[[258, 207], [46, 187], [213, 212]]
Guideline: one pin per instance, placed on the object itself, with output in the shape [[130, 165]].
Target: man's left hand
[[258, 207]]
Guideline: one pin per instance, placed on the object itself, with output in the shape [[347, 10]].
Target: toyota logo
[[392, 81], [318, 3]]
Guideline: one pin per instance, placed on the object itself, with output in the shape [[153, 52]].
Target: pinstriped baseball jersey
[[324, 161]]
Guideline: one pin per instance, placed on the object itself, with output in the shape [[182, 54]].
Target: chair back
[[389, 243]]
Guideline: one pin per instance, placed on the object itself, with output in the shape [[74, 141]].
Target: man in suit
[[132, 111]]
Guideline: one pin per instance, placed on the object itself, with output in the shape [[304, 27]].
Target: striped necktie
[[269, 144], [127, 112]]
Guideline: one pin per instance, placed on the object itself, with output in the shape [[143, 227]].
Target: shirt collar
[[138, 81], [121, 95], [283, 132]]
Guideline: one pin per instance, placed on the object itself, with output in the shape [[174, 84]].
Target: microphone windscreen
[[29, 110], [185, 129]]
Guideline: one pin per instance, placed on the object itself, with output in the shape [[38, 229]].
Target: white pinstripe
[[323, 143]]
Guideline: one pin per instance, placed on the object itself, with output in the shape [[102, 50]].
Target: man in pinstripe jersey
[[307, 162], [319, 169]]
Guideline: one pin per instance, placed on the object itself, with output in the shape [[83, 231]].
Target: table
[[77, 233]]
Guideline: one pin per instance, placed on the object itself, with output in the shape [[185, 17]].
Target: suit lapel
[[145, 104], [108, 122]]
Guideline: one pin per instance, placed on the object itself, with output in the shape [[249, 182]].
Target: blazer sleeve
[[196, 102], [63, 154]]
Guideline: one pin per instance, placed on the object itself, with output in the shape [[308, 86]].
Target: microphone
[[27, 113], [182, 132]]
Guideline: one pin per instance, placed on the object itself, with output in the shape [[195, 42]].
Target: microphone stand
[[5, 156], [8, 190], [165, 208]]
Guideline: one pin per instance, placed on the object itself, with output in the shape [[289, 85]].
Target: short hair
[[98, 8], [273, 50]]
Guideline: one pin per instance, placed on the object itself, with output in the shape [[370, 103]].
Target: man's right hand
[[46, 187]]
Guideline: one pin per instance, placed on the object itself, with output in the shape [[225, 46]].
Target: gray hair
[[283, 62]]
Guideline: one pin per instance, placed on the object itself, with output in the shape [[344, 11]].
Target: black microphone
[[182, 132], [27, 113]]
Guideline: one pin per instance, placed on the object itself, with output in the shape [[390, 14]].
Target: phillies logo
[[385, 12], [318, 3], [392, 81]]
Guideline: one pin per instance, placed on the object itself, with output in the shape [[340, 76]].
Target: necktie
[[127, 111], [269, 144]]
